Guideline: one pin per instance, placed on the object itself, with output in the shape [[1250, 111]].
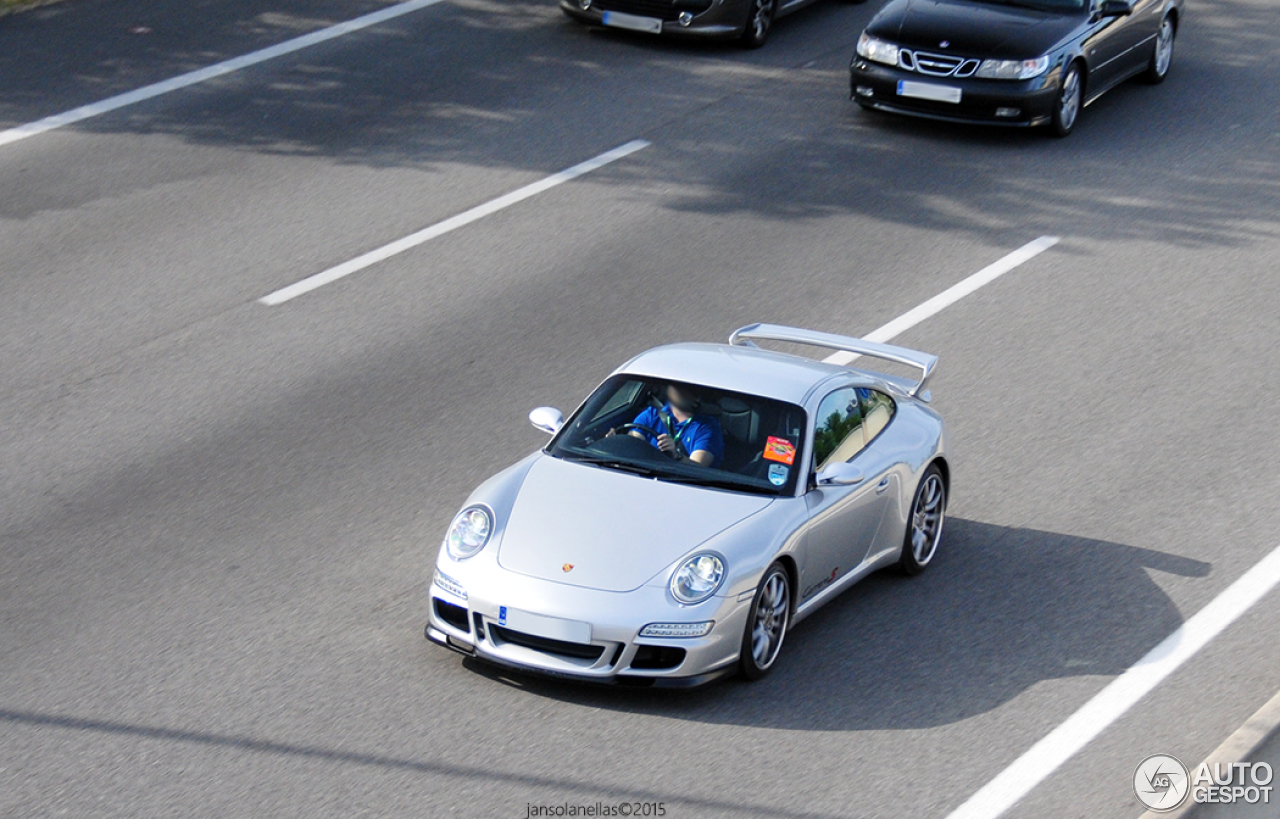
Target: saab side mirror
[[1115, 8], [547, 419], [840, 474]]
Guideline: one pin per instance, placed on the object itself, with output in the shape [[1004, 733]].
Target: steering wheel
[[679, 449], [652, 433]]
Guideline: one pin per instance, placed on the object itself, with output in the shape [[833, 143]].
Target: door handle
[[883, 485]]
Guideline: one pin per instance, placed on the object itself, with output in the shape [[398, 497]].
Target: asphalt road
[[218, 517]]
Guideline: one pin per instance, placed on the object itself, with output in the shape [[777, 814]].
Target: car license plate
[[928, 91], [539, 625], [630, 21]]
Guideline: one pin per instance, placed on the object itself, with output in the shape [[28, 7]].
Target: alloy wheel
[[926, 519], [770, 625]]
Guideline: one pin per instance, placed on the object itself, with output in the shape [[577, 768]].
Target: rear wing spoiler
[[746, 336]]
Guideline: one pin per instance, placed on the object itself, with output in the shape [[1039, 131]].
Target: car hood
[[602, 529], [973, 29]]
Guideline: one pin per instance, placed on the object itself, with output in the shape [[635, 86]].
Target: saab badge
[[568, 567], [944, 44]]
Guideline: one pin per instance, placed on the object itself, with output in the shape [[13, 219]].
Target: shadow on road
[[1001, 610], [489, 84]]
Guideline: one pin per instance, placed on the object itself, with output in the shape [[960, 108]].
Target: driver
[[683, 434]]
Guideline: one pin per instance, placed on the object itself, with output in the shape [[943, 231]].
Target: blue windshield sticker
[[778, 474]]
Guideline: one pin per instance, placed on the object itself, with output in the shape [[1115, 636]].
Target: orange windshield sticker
[[780, 450]]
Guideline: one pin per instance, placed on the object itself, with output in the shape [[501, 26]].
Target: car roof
[[749, 370]]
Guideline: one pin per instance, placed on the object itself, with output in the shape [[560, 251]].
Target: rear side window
[[847, 420]]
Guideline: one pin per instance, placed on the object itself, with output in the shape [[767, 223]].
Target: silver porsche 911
[[702, 501]]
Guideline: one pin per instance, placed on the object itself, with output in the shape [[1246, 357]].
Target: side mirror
[[547, 419], [840, 474], [1115, 8]]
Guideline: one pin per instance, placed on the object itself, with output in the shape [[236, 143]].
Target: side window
[[877, 410], [837, 434], [624, 397]]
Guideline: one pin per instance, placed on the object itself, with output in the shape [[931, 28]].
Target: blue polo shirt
[[699, 432]]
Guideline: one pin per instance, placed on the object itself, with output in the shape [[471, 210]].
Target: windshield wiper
[[612, 463], [717, 483]]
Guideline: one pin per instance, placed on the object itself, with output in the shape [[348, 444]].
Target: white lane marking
[[452, 223], [200, 75], [1047, 755], [951, 295]]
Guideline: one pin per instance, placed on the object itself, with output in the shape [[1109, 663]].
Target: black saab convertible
[[1012, 62]]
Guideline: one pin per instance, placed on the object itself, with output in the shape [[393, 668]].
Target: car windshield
[[719, 439], [1038, 5]]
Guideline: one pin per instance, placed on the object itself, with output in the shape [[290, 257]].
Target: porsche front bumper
[[473, 625]]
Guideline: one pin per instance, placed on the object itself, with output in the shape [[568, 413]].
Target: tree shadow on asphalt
[[1002, 609], [784, 142]]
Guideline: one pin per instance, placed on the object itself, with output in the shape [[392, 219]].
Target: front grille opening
[[454, 615], [657, 658], [578, 651], [479, 627]]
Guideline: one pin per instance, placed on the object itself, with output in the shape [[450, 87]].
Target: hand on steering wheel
[[665, 443]]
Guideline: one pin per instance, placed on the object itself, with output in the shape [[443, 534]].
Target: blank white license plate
[[630, 21], [928, 91], [539, 625]]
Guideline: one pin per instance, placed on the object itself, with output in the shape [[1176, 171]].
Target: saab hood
[[617, 530], [973, 29]]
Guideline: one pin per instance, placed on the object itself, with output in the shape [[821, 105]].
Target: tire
[[759, 23], [1162, 52], [924, 524], [767, 623], [1069, 102]]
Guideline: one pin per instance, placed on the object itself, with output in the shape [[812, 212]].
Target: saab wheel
[[924, 526], [1162, 54], [759, 24], [1066, 108], [767, 623]]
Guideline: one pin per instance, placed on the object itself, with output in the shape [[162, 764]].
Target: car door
[[843, 520], [1143, 26], [1112, 46]]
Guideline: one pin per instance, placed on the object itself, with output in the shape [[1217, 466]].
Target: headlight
[[877, 50], [469, 532], [1012, 69], [697, 578]]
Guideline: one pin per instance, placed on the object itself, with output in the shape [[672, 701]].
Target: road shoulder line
[[1247, 739]]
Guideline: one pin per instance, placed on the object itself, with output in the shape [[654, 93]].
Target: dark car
[[747, 20], [1010, 62]]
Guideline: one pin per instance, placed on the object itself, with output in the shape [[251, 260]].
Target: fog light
[[864, 91], [684, 18], [1008, 112], [677, 629]]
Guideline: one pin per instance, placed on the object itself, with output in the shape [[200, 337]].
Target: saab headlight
[[697, 578], [469, 532], [1012, 69], [877, 50]]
